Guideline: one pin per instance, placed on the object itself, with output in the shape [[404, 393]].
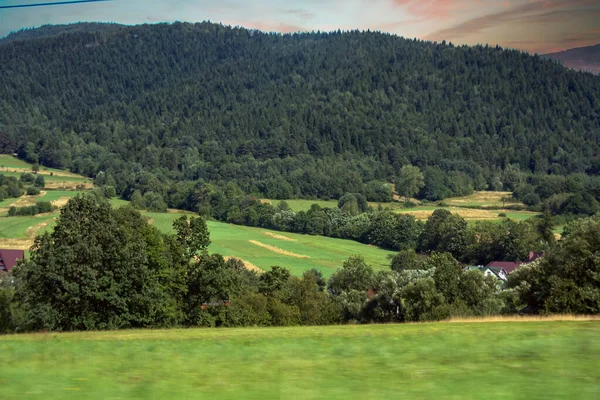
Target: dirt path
[[32, 231], [277, 249], [280, 237], [247, 264]]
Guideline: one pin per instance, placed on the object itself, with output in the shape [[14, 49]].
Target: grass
[[16, 227], [488, 360], [48, 195], [325, 254], [12, 166], [304, 205]]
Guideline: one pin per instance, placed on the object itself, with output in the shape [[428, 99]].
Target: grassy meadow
[[264, 248], [486, 360]]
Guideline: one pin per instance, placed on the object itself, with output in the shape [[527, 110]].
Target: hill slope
[[581, 59], [308, 114]]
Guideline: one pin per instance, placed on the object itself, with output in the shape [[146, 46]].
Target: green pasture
[[304, 205], [326, 254], [487, 360], [9, 161], [16, 227], [50, 195], [53, 195], [51, 178]]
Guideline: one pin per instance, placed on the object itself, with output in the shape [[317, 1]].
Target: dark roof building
[[508, 266], [9, 258]]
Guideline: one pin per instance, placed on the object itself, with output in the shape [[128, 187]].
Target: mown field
[[55, 178], [264, 248], [486, 360]]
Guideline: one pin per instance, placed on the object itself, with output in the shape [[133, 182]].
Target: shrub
[[502, 215], [32, 191], [410, 204]]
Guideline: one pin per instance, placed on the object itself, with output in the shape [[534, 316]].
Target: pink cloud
[[431, 9], [531, 11]]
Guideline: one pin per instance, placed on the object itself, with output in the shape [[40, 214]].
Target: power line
[[55, 3]]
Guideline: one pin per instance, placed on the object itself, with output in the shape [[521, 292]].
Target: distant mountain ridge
[[581, 59], [47, 31]]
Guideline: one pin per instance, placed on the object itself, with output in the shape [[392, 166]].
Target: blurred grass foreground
[[539, 359]]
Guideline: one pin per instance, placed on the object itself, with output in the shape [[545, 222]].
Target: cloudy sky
[[533, 25]]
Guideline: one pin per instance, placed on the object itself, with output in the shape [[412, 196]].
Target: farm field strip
[[529, 360], [469, 214]]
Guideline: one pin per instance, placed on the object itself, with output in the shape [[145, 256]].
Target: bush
[[410, 204], [27, 178], [531, 199], [32, 191], [38, 208], [502, 215]]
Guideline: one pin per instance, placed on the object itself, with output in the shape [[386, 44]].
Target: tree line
[[104, 268]]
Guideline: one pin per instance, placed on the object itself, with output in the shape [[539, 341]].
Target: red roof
[[8, 258], [509, 266]]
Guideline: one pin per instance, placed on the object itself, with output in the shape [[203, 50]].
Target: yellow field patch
[[16, 244], [483, 199], [69, 185], [528, 318], [277, 249], [280, 237], [40, 172], [249, 266], [32, 231], [466, 213]]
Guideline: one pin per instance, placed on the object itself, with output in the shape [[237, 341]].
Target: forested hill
[[314, 114]]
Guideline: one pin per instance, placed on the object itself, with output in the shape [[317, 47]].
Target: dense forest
[[157, 108]]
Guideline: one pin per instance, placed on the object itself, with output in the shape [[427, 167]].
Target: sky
[[541, 26]]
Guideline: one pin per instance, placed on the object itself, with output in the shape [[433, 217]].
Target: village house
[[497, 272], [510, 266], [9, 258]]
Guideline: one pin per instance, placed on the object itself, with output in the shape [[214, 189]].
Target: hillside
[[315, 114], [581, 59], [48, 31], [533, 360]]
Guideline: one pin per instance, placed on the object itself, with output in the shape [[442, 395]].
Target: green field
[[326, 254], [487, 360], [304, 205], [19, 167], [48, 195], [52, 179], [16, 227]]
